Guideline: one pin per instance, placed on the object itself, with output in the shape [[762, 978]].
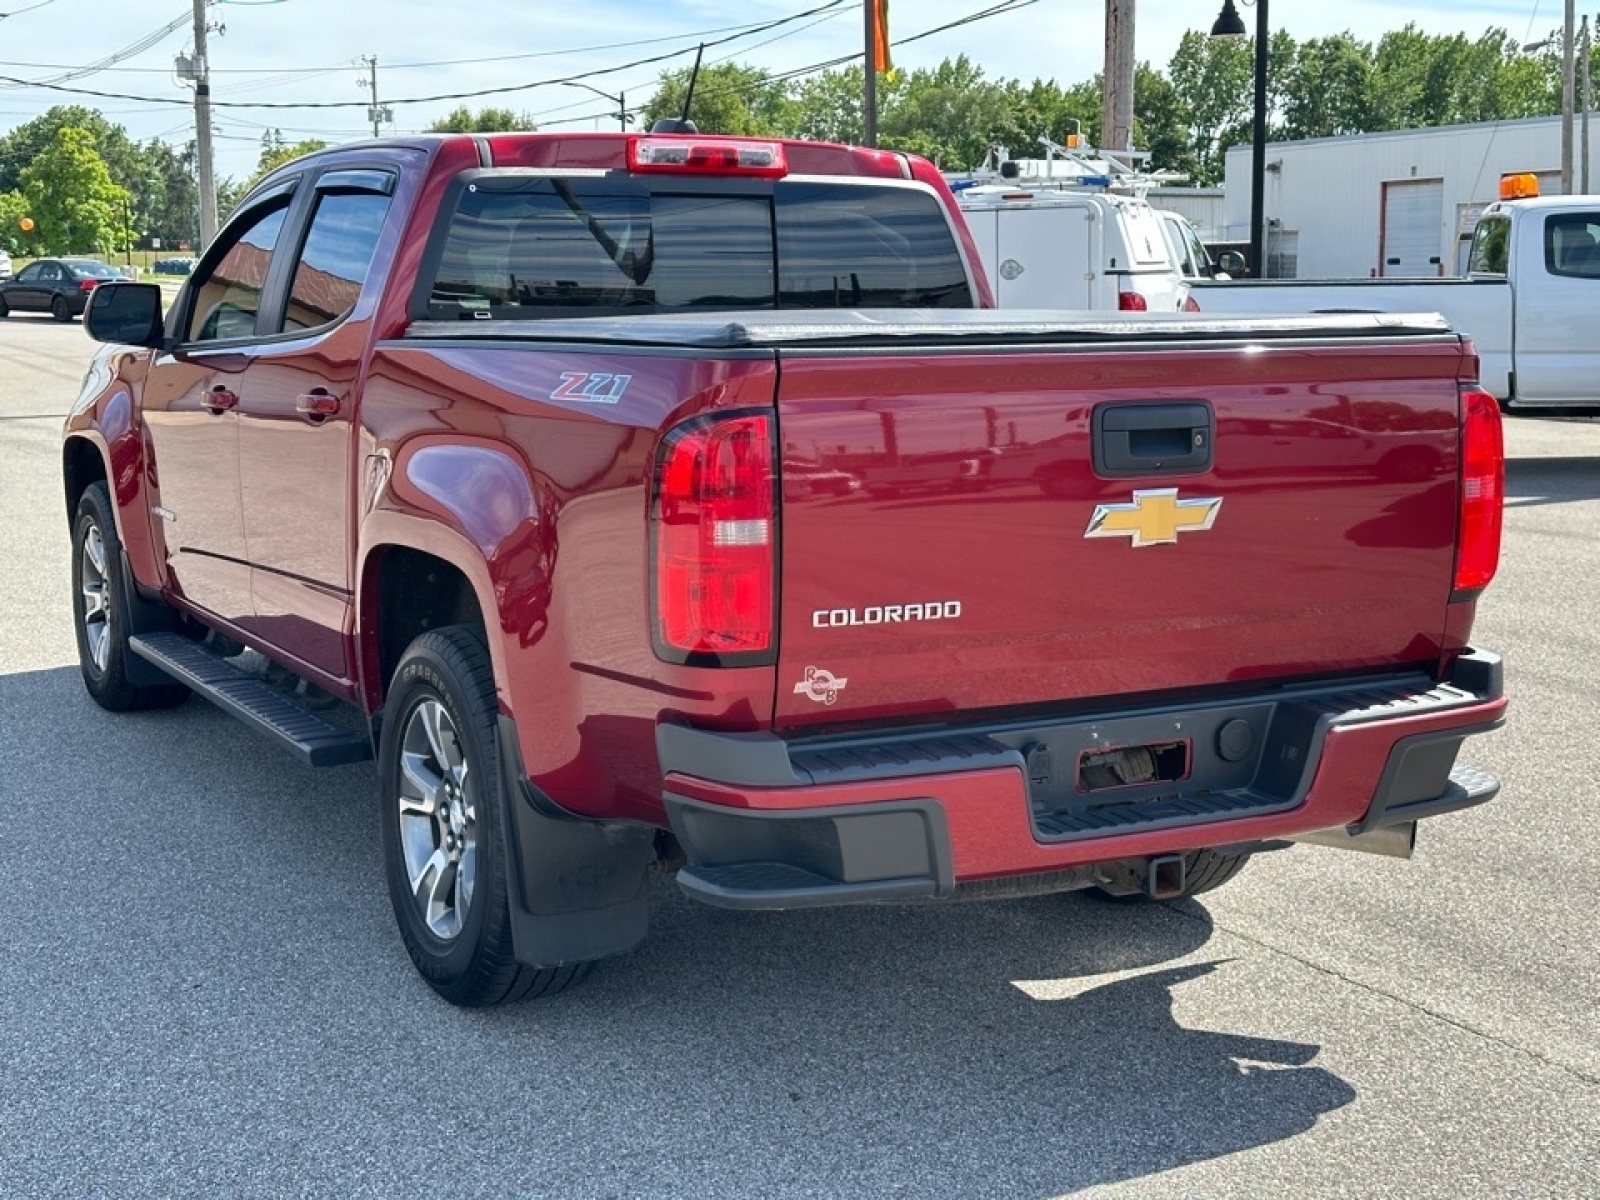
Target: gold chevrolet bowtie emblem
[[1155, 517]]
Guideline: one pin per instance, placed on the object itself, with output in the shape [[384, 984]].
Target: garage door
[[1413, 212]]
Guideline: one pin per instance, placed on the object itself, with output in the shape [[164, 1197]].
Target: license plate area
[[1119, 768]]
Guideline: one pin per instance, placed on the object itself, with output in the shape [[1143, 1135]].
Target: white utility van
[[1078, 249]]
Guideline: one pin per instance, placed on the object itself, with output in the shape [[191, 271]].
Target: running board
[[263, 708]]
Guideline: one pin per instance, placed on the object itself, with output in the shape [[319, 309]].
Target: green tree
[[30, 139], [486, 120], [1161, 123], [728, 98], [1329, 90], [72, 199], [275, 151], [14, 207], [950, 114], [828, 107], [1212, 80], [169, 207], [1045, 109]]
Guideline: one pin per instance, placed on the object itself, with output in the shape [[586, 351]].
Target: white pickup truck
[[1530, 301]]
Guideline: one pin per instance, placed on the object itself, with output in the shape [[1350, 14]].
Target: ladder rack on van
[[1066, 168]]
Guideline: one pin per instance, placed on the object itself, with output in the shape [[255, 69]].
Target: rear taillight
[[88, 285], [1132, 302], [694, 155], [1482, 492], [712, 523], [1190, 304]]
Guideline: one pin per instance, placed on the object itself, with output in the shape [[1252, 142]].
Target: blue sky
[[291, 51]]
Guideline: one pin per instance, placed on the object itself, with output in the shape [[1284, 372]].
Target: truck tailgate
[[949, 544]]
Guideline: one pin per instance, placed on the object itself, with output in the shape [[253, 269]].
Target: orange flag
[[880, 36]]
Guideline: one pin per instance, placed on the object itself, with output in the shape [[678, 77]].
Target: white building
[[1402, 203]]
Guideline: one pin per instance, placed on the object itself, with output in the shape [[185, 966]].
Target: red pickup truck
[[679, 501]]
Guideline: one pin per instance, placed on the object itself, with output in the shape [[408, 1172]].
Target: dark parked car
[[58, 286], [173, 266]]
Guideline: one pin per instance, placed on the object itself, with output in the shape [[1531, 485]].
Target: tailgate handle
[[1153, 439]]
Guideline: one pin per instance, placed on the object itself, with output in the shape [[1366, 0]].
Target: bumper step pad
[[317, 742]]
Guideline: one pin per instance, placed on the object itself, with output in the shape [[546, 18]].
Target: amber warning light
[[1521, 186]]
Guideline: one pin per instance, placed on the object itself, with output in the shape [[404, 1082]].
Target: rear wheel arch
[[405, 592]]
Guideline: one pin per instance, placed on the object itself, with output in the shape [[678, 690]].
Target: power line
[[756, 26], [137, 48], [983, 14]]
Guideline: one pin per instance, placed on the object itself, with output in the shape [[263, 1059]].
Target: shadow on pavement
[[1531, 482], [210, 974]]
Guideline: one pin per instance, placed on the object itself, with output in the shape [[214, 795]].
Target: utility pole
[[1568, 57], [376, 113], [202, 128], [1588, 99], [1116, 111]]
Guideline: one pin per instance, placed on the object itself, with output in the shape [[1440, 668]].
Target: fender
[[104, 417], [474, 506], [141, 612]]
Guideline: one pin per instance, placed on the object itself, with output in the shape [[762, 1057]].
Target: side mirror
[[127, 313], [1232, 262]]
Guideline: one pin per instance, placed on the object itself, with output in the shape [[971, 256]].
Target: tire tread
[[495, 977]]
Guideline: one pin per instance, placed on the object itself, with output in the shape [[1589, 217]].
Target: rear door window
[[336, 256]]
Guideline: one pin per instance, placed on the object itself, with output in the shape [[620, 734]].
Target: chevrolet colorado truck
[[680, 502]]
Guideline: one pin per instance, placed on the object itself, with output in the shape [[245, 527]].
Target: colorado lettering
[[886, 614]]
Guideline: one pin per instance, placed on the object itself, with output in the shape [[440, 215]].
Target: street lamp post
[[1230, 25], [620, 100]]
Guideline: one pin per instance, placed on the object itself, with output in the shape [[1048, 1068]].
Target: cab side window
[[1572, 245], [227, 298], [336, 256]]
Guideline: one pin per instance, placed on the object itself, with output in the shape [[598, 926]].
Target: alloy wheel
[[438, 819]]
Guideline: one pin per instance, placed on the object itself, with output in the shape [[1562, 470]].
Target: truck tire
[[99, 600], [442, 818], [1207, 870]]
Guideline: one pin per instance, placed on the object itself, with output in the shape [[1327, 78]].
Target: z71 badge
[[596, 387]]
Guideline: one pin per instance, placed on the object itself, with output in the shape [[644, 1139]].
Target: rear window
[[1147, 241], [519, 247], [94, 270], [1491, 244]]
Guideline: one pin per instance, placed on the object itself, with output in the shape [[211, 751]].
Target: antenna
[[683, 124]]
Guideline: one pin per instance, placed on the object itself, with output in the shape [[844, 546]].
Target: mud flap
[[577, 889], [142, 616]]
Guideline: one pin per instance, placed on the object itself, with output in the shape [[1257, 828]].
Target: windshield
[[519, 247]]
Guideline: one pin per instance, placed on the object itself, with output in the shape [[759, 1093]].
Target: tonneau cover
[[852, 327]]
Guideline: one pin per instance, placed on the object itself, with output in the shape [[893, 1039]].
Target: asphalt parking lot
[[202, 991]]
